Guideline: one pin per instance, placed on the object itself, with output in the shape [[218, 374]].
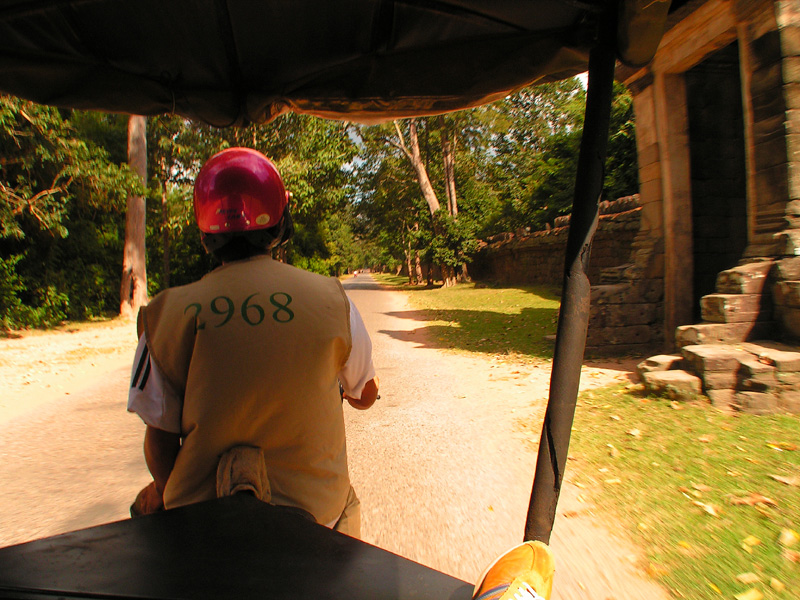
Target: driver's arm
[[160, 451], [368, 395]]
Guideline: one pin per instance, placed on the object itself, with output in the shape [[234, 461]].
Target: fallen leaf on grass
[[748, 578], [655, 570], [706, 438], [752, 500], [612, 451], [714, 587], [749, 543], [777, 585], [614, 417], [708, 508], [788, 537], [635, 433], [792, 481], [751, 594], [701, 487], [791, 555], [613, 481], [782, 446]]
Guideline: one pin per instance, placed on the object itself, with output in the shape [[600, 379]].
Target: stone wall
[[531, 258]]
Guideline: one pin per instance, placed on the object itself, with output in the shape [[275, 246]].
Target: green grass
[[670, 474], [683, 479], [511, 320]]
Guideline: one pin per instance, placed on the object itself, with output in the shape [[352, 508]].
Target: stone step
[[787, 293], [723, 333], [714, 357], [733, 308], [677, 385], [749, 278]]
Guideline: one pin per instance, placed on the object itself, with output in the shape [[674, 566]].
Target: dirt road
[[442, 463]]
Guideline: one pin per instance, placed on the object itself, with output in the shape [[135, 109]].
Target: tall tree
[[133, 289]]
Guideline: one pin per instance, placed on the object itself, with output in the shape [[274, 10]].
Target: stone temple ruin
[[709, 277]]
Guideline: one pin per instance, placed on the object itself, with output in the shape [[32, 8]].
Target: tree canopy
[[359, 196]]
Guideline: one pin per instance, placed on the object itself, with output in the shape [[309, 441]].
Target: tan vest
[[255, 347]]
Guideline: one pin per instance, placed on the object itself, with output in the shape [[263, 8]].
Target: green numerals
[[252, 313], [252, 309], [284, 314]]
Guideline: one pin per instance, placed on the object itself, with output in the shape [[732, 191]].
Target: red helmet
[[238, 189]]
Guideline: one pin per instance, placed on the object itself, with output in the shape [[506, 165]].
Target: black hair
[[239, 245]]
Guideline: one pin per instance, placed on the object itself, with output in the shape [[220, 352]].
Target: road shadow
[[481, 331]]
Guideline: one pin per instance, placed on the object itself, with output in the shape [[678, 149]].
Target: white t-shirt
[[156, 402]]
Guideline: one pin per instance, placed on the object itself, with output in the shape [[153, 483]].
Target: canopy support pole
[[573, 316]]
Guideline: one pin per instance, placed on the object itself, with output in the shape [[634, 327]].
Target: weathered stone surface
[[755, 403], [780, 356], [731, 308], [788, 380], [789, 242], [721, 399], [789, 402], [722, 333], [762, 382], [744, 279], [787, 293], [617, 293], [719, 380], [790, 323], [660, 362], [787, 269], [705, 358], [678, 385]]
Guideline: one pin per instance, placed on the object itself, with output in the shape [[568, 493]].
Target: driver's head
[[240, 205]]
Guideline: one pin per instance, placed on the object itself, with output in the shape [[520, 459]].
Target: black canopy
[[232, 62]]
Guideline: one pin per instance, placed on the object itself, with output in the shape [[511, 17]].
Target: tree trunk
[[165, 234], [449, 162], [408, 266], [464, 277], [418, 267], [413, 154], [133, 289]]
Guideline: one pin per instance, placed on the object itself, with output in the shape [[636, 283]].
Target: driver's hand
[[148, 501]]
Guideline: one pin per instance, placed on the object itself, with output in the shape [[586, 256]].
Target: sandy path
[[443, 463]]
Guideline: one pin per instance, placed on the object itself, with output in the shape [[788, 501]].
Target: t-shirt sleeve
[[150, 395], [358, 369]]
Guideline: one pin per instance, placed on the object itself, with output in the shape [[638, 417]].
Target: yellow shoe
[[523, 573]]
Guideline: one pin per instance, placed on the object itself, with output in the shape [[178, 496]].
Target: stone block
[[660, 362], [730, 308], [704, 358], [790, 41], [789, 242], [789, 402], [781, 359], [721, 399], [722, 333], [616, 293], [755, 379], [748, 278], [788, 380], [790, 323], [787, 269], [787, 293], [791, 69], [720, 380], [753, 367], [677, 385], [756, 403], [634, 334]]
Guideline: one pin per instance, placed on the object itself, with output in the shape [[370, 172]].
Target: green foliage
[[61, 209]]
